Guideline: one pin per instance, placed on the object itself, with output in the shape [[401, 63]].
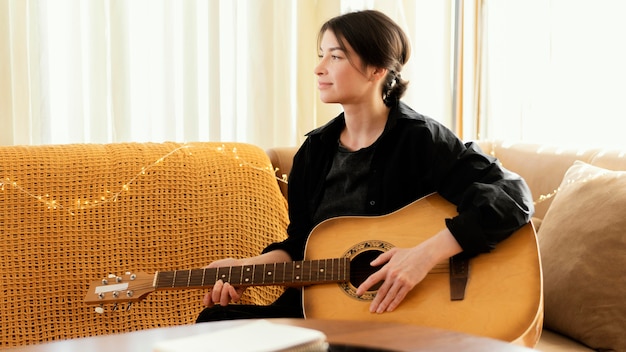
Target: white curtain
[[241, 70], [101, 71], [553, 72]]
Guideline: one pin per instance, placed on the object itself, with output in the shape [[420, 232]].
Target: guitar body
[[503, 297]]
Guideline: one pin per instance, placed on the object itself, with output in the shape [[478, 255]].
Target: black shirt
[[415, 156]]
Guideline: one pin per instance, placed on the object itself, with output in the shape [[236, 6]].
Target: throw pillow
[[583, 248]]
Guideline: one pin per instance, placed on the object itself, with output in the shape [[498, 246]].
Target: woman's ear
[[378, 73]]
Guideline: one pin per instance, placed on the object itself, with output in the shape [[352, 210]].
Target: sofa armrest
[[282, 161]]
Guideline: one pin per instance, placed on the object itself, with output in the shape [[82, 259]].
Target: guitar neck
[[296, 273]]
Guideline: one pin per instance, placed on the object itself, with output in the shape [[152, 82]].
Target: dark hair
[[378, 41]]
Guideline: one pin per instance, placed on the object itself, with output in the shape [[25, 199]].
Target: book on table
[[257, 336]]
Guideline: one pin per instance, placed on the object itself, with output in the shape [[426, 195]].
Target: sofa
[[75, 215], [580, 202]]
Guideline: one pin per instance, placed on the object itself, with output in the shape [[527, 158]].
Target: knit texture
[[72, 214]]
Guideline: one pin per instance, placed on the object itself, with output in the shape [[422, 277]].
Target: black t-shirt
[[345, 187]]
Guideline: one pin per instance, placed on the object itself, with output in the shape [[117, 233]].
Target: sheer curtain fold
[[118, 71], [6, 75], [190, 88], [19, 75]]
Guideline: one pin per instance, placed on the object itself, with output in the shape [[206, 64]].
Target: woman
[[374, 158]]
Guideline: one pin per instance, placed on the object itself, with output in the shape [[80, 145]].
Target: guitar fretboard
[[297, 273]]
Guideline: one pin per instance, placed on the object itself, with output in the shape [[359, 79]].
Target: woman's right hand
[[223, 293]]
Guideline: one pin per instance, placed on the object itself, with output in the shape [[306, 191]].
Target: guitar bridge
[[459, 274]]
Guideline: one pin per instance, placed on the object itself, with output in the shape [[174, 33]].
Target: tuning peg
[[99, 309]]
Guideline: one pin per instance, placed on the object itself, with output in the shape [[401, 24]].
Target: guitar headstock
[[129, 287]]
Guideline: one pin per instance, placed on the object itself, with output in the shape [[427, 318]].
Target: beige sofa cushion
[[583, 245]]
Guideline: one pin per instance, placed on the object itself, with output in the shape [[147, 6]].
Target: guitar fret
[[271, 273], [277, 273], [223, 274], [264, 274], [306, 271], [340, 274], [196, 278], [338, 270], [247, 275], [180, 279], [297, 270], [259, 274], [162, 277], [208, 273], [283, 272], [317, 272], [289, 273], [234, 275]]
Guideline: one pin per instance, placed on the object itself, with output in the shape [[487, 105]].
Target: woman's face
[[342, 80]]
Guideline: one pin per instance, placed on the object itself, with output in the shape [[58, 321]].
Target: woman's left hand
[[406, 267]]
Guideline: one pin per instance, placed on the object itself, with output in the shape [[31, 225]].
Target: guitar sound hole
[[360, 268]]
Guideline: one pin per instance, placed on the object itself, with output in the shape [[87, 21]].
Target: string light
[[82, 204], [113, 197], [547, 196], [242, 163]]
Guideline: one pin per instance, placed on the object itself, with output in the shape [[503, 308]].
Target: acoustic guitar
[[501, 292]]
